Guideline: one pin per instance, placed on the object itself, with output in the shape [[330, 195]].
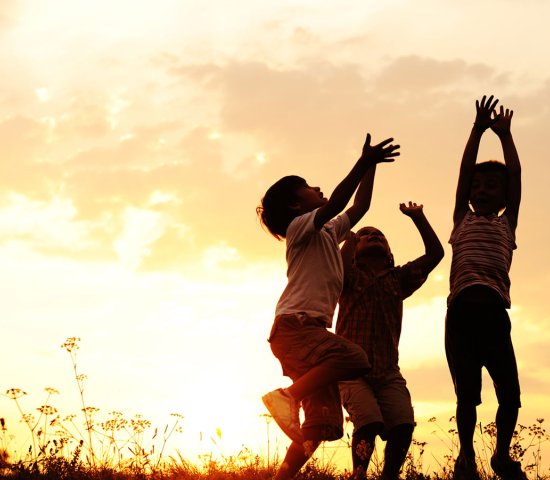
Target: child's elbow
[[437, 254]]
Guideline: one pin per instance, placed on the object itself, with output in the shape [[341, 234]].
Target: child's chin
[[485, 213]]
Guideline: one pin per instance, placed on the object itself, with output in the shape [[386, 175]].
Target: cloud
[[300, 109], [430, 383], [8, 11], [420, 75], [43, 224], [212, 137], [22, 168]]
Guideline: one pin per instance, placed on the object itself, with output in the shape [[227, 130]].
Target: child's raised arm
[[502, 127], [347, 251], [433, 249], [363, 197], [370, 156], [483, 121]]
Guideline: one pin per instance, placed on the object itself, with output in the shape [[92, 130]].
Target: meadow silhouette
[[89, 445]]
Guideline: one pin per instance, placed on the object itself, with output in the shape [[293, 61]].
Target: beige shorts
[[385, 400], [301, 343]]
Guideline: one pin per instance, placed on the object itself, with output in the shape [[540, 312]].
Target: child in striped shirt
[[477, 327]]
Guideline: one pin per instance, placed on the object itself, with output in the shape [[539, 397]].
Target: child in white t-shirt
[[314, 358]]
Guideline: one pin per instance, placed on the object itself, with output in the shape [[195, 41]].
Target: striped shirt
[[482, 255]]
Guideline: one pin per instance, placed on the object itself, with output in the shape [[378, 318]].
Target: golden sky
[[138, 137]]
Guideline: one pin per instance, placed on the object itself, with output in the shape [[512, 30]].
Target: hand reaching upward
[[502, 121], [484, 113], [411, 210], [383, 152]]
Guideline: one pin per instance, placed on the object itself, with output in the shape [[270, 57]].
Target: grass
[[118, 448]]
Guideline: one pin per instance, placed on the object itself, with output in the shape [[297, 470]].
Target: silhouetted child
[[314, 358], [370, 314], [477, 328]]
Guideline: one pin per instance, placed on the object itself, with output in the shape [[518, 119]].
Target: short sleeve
[[341, 226], [301, 227], [410, 278]]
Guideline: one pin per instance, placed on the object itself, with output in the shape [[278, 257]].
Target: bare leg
[[466, 418], [465, 467], [296, 457], [320, 376], [501, 462], [362, 446], [506, 420], [397, 445]]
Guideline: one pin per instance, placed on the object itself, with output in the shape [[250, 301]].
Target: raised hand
[[383, 152], [484, 113], [502, 121], [411, 210]]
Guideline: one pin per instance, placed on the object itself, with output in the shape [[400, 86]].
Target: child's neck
[[373, 263]]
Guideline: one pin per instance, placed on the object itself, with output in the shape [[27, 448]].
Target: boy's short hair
[[274, 210], [492, 166]]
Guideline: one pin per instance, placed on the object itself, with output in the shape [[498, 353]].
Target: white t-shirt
[[315, 272]]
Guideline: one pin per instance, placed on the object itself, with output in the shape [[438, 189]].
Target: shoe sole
[[295, 437]]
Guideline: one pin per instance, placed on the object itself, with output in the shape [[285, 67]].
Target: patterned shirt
[[371, 311], [482, 255]]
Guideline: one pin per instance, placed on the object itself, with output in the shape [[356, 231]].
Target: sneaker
[[286, 412], [508, 469], [465, 469]]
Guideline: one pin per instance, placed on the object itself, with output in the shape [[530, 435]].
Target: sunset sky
[[137, 138]]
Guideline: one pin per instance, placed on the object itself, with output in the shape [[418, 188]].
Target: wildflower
[[15, 393], [71, 344], [52, 391], [56, 421], [47, 410], [139, 424], [116, 423], [89, 411], [27, 418]]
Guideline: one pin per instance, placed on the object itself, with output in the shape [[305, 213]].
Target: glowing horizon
[[137, 141]]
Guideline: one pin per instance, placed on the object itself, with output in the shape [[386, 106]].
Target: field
[[117, 447]]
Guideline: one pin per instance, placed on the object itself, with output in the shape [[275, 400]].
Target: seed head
[[71, 344], [15, 393]]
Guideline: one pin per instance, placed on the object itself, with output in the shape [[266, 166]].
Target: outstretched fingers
[[411, 206], [507, 114], [384, 151], [486, 103], [388, 150], [486, 115]]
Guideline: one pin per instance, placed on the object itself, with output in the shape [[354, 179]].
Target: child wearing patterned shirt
[[477, 326], [370, 314]]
